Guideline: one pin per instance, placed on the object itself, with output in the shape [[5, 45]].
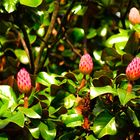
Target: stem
[[82, 84], [129, 87], [27, 46], [47, 36], [25, 101]]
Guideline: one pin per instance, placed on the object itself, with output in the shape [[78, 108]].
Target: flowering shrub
[[77, 63]]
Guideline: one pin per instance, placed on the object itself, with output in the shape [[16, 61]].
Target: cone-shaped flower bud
[[133, 69], [134, 16], [23, 81], [86, 64]]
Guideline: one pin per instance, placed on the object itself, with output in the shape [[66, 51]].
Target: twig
[[47, 36], [61, 30], [27, 46], [72, 47]]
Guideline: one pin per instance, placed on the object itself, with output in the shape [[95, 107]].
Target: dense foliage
[[47, 38]]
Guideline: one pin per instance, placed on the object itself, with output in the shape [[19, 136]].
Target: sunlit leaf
[[46, 79], [104, 124], [10, 5], [72, 120], [35, 132], [118, 38], [22, 56], [125, 97], [90, 137], [17, 118], [31, 3], [7, 95], [48, 131], [29, 112], [69, 101], [97, 91]]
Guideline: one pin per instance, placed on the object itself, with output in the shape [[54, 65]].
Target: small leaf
[[133, 117], [72, 120], [46, 79], [10, 5], [7, 95], [69, 101], [97, 91], [92, 33], [29, 112], [3, 123], [125, 97], [37, 108], [3, 136], [104, 124], [48, 131], [90, 137], [31, 3], [35, 132], [22, 56], [17, 118]]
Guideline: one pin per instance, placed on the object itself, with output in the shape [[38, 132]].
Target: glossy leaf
[[104, 124], [118, 38], [31, 3], [97, 91], [72, 120], [69, 101], [125, 97], [7, 95], [46, 79], [47, 130], [10, 5], [22, 56], [29, 112], [90, 137], [133, 117], [37, 108], [35, 132], [17, 118]]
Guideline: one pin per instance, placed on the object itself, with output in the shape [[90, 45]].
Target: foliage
[[48, 38]]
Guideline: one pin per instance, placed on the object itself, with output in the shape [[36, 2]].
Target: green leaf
[[35, 132], [22, 56], [104, 124], [97, 91], [77, 34], [31, 3], [46, 79], [7, 95], [37, 108], [29, 112], [133, 117], [10, 5], [17, 118], [3, 123], [3, 136], [90, 137], [48, 130], [69, 101], [92, 33], [125, 97], [118, 38], [72, 120]]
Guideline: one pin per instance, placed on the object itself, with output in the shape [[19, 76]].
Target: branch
[[47, 36], [27, 47]]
